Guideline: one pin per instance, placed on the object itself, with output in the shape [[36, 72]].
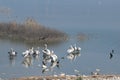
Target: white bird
[[31, 51], [73, 52], [53, 56], [12, 53], [76, 48], [46, 50], [79, 48], [54, 60], [26, 53], [36, 52], [46, 56], [12, 56], [71, 49]]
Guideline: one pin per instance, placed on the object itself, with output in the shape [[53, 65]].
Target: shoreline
[[71, 77]]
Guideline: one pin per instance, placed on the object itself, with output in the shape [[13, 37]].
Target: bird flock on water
[[49, 58]]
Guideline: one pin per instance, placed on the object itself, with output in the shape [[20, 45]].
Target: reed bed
[[30, 31]]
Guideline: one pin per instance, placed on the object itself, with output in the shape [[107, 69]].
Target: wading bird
[[12, 52]]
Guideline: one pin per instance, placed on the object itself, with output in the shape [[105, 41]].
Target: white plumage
[[12, 52]]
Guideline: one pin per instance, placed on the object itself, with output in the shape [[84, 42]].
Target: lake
[[99, 20]]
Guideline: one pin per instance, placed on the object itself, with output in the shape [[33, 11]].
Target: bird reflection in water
[[51, 67], [72, 56], [12, 60], [36, 57], [12, 55], [27, 62], [50, 60]]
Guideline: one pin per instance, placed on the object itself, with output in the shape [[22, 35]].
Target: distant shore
[[71, 77], [30, 31]]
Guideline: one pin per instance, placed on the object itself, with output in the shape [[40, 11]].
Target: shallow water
[[98, 20]]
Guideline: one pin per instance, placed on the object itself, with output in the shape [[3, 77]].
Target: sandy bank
[[71, 77]]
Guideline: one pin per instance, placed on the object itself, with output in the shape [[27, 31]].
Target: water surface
[[99, 20]]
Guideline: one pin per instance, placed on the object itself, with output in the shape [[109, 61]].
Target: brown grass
[[30, 31], [82, 37]]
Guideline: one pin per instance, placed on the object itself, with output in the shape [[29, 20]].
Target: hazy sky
[[61, 13]]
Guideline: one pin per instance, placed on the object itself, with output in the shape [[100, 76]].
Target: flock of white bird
[[48, 56]]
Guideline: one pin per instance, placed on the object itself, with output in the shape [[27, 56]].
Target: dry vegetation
[[30, 31], [82, 37]]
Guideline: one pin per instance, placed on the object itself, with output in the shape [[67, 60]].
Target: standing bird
[[31, 51], [73, 52], [46, 56], [76, 49], [71, 49], [12, 52], [12, 56], [46, 51], [112, 51], [53, 56], [54, 60], [36, 52], [26, 53], [111, 55]]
